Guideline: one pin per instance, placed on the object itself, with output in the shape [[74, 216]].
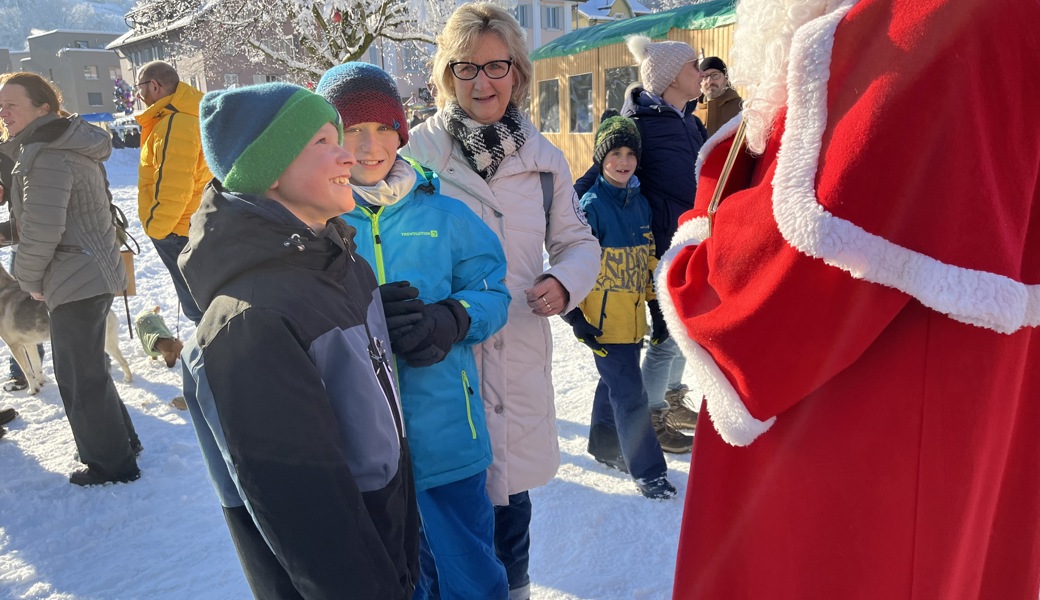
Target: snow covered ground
[[163, 537]]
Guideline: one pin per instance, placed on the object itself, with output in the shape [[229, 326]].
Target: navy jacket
[[289, 385], [666, 168]]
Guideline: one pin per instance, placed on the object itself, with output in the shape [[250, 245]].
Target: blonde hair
[[459, 38]]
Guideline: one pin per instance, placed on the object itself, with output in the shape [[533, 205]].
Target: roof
[[704, 15], [600, 9], [73, 31]]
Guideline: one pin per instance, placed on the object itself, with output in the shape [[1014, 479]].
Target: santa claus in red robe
[[862, 317]]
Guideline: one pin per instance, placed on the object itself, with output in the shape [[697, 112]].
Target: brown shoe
[[171, 350], [670, 439], [680, 416]]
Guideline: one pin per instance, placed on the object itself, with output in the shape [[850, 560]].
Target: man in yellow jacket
[[173, 172]]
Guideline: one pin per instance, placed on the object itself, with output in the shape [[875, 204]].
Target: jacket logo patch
[[432, 233], [577, 209]]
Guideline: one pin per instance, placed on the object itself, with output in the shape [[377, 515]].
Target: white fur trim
[[728, 414], [970, 296], [721, 134]]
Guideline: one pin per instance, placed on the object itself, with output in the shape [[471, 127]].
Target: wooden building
[[581, 74]]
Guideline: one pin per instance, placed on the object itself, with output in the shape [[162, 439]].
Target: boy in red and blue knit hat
[[288, 376], [447, 292]]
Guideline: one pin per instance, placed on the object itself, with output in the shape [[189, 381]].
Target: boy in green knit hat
[[287, 376], [612, 318]]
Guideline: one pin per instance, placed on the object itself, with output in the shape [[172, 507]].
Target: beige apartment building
[[78, 63]]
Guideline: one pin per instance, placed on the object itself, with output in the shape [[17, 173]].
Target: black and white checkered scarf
[[485, 146]]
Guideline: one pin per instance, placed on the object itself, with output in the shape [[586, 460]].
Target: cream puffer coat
[[515, 364]]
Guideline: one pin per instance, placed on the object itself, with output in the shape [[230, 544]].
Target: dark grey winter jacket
[[289, 386]]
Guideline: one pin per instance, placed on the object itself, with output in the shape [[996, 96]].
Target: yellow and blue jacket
[[620, 220], [172, 173]]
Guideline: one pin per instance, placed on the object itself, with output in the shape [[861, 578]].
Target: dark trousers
[[99, 421], [620, 416], [513, 538], [169, 248], [456, 549]]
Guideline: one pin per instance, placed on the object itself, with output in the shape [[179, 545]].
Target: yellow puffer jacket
[[173, 172]]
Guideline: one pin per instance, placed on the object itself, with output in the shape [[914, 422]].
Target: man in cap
[[722, 100]]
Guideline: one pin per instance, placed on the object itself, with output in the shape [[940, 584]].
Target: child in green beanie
[[288, 377], [612, 318]]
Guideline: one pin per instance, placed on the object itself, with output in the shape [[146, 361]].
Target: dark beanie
[[712, 62], [615, 132], [250, 135], [364, 93]]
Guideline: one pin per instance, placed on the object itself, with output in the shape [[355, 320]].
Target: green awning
[[704, 15]]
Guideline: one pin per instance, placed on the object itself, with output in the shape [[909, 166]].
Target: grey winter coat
[[67, 246], [515, 364]]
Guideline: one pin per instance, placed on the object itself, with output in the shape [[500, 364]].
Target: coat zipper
[[468, 392], [377, 241]]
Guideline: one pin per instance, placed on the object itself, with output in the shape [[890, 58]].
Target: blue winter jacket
[[445, 251], [620, 219], [666, 168]]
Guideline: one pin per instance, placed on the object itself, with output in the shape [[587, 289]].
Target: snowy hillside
[[21, 18], [163, 537]]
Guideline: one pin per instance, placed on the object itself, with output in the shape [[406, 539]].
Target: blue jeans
[[169, 248], [663, 368], [619, 402], [457, 545], [513, 538]]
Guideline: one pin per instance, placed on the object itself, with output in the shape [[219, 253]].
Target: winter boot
[[670, 439], [680, 416], [656, 488]]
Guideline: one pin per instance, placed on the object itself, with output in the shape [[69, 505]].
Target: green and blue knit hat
[[250, 135], [615, 132]]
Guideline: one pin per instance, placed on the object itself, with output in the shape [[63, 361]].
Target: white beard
[[759, 58]]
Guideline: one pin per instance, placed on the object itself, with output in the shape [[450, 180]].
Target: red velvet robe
[[863, 319]]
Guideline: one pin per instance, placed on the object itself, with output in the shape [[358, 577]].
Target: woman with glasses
[[489, 155]]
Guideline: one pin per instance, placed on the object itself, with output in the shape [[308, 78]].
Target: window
[[94, 98], [230, 80], [81, 44], [114, 73], [523, 15], [270, 78], [581, 103], [618, 81], [90, 72], [551, 18], [147, 55], [411, 60], [549, 106]]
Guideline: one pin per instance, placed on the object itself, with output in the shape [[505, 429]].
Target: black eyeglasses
[[496, 69], [143, 83]]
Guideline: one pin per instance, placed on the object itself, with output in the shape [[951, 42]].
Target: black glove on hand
[[658, 328], [401, 306], [427, 342], [584, 331]]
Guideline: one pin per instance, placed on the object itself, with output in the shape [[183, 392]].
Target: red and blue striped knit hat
[[364, 93]]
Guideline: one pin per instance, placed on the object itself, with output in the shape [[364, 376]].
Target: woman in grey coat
[[68, 258]]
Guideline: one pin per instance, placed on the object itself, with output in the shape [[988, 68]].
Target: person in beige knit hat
[[662, 108]]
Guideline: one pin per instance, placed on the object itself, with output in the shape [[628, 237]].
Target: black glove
[[427, 342], [658, 328], [401, 305], [584, 331]]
